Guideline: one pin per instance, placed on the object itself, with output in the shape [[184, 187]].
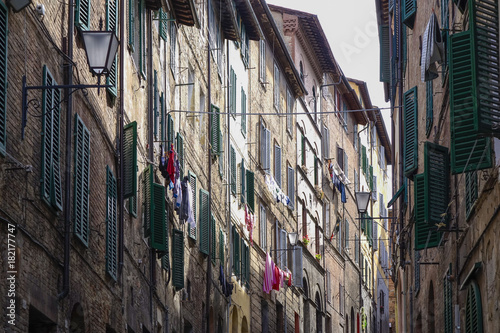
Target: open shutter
[[165, 260], [364, 160], [132, 205], [178, 259], [297, 266], [385, 59], [82, 14], [111, 225], [346, 238], [250, 190], [243, 192], [163, 24], [192, 182], [170, 131], [81, 181], [180, 153], [247, 265], [369, 228], [148, 198], [213, 245], [409, 11], [283, 246], [233, 170], [277, 165], [204, 221], [112, 25], [236, 251], [131, 24], [470, 191], [410, 105], [130, 160], [243, 112], [4, 13], [291, 187], [468, 151], [215, 135], [157, 239], [473, 308], [426, 235], [436, 183]]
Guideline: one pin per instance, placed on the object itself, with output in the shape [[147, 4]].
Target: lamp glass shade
[[292, 237], [18, 5], [362, 199], [100, 47]]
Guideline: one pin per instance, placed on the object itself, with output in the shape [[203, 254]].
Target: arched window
[[473, 310]]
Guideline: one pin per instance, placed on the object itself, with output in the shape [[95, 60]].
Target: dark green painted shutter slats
[[213, 245], [250, 190], [163, 24], [130, 160], [409, 11], [148, 198], [157, 239], [236, 251], [215, 135], [429, 107], [221, 247], [111, 225], [463, 106], [3, 76], [170, 132], [233, 170], [180, 153], [364, 160], [112, 25], [473, 309], [485, 25], [385, 61], [410, 105], [232, 92], [204, 221], [165, 260], [471, 191], [132, 205], [243, 112], [245, 264], [177, 259], [131, 24], [243, 194], [81, 181], [425, 234], [82, 14], [192, 182], [436, 183]]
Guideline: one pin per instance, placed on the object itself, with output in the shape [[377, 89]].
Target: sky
[[352, 31]]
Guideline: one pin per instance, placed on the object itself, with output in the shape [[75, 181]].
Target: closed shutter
[[436, 183], [192, 182], [262, 61], [170, 131], [297, 266], [429, 107], [112, 25], [409, 11], [250, 190], [204, 221], [233, 171], [165, 259], [148, 198], [410, 105], [276, 88], [178, 259], [370, 178], [243, 112], [4, 14], [111, 225], [142, 38], [215, 135], [468, 151], [180, 153], [245, 263], [328, 287], [130, 160], [82, 14], [303, 150], [385, 61], [277, 165], [81, 181], [157, 239], [163, 24], [369, 228], [268, 151], [470, 191], [291, 187], [473, 308], [375, 235], [213, 244], [426, 235], [236, 251], [243, 192]]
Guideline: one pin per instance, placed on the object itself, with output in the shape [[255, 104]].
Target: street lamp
[[100, 49], [362, 199], [292, 237]]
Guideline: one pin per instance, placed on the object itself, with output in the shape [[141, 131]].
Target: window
[[245, 44], [112, 25], [81, 181], [243, 112], [250, 189], [216, 134], [51, 123], [235, 248], [297, 266], [82, 14], [154, 210], [408, 12], [131, 24], [165, 260], [445, 25], [277, 165], [232, 92], [215, 36], [178, 259], [356, 181], [3, 77], [163, 25], [436, 183], [340, 157], [129, 160], [282, 244], [262, 61], [325, 135], [328, 287], [411, 131], [243, 182], [233, 170], [381, 157], [245, 264], [276, 96], [355, 136], [289, 111], [326, 218], [265, 148], [180, 152], [173, 48], [346, 234], [429, 100], [315, 104], [385, 50], [425, 234], [291, 186], [374, 188], [263, 227], [111, 225], [204, 223], [142, 37], [264, 311], [473, 309], [222, 242], [356, 249]]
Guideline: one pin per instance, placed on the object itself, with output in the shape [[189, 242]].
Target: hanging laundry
[[171, 163], [186, 208], [276, 278], [268, 274], [276, 191], [432, 50], [163, 163], [222, 279], [249, 221]]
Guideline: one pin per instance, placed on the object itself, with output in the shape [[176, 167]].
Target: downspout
[[120, 139], [228, 195], [67, 171], [152, 260]]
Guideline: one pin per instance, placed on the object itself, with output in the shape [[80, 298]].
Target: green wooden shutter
[[232, 92], [369, 228], [471, 191], [473, 308], [157, 239], [4, 14], [485, 29], [243, 112], [82, 14], [426, 235], [180, 153], [243, 192], [436, 183], [148, 198], [221, 247], [468, 151], [204, 221], [165, 260], [315, 170], [213, 245], [192, 182], [162, 119], [385, 61], [131, 24], [236, 252], [404, 45], [111, 225], [215, 135], [233, 171], [303, 149], [364, 160], [112, 25], [250, 190], [409, 10], [245, 263], [277, 165], [81, 181], [178, 259], [142, 37], [410, 105], [130, 160], [417, 271], [448, 303], [370, 178], [156, 113], [170, 131], [132, 205], [163, 24], [291, 187], [429, 107]]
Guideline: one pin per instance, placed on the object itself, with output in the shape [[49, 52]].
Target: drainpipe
[[228, 195], [121, 107], [67, 171]]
